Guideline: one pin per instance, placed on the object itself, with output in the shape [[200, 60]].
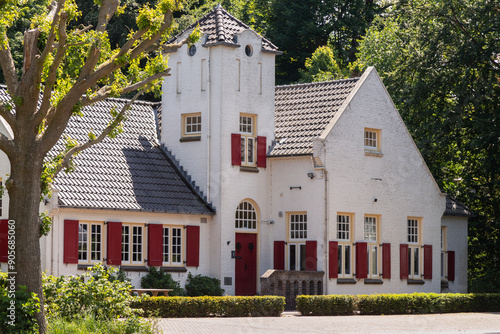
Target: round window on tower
[[248, 50], [192, 50]]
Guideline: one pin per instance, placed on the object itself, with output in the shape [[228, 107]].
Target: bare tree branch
[[7, 146], [55, 9], [8, 68], [105, 91], [52, 76], [116, 121]]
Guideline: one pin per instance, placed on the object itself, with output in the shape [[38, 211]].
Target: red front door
[[246, 264]]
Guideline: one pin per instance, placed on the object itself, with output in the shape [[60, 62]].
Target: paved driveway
[[463, 323]]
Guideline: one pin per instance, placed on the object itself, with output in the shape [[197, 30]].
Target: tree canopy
[[440, 61], [66, 66]]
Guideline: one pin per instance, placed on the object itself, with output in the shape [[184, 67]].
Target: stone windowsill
[[374, 154], [346, 281], [134, 268], [84, 266], [174, 269], [190, 138], [249, 169], [373, 281], [415, 281]]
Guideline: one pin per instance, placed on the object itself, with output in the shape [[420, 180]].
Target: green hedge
[[326, 305], [415, 303], [189, 307]]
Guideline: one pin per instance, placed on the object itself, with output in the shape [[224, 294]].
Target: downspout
[[209, 135], [326, 232]]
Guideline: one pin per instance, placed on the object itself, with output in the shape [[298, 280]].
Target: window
[[371, 238], [246, 216], [192, 50], [297, 226], [89, 242], [414, 256], [191, 124], [372, 140], [247, 129], [344, 236], [172, 245], [444, 263], [132, 244]]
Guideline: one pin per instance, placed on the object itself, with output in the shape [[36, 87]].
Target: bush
[[20, 317], [181, 307], [325, 305], [159, 279], [89, 324], [203, 286], [415, 303], [96, 293]]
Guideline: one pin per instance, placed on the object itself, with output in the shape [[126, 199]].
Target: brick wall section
[[290, 284]]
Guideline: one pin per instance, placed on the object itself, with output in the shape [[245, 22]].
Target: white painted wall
[[456, 235], [399, 180], [234, 86], [53, 250]]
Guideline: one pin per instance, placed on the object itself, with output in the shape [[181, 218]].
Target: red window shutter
[[403, 261], [386, 260], [155, 245], [114, 243], [361, 260], [427, 261], [333, 259], [311, 255], [193, 246], [4, 240], [70, 251], [279, 255], [236, 149], [261, 152], [451, 265]]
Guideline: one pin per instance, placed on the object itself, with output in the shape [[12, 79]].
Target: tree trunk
[[24, 187]]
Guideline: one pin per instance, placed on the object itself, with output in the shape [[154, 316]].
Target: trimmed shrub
[[182, 307], [159, 279], [203, 286], [326, 305]]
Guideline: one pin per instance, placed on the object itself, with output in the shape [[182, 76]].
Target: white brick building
[[320, 177]]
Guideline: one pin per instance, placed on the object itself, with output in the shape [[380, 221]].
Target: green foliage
[[322, 66], [203, 286], [18, 317], [415, 303], [180, 307], [97, 293], [89, 324], [45, 223], [325, 305], [439, 61], [159, 279]]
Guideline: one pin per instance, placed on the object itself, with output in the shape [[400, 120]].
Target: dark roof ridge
[[316, 83]]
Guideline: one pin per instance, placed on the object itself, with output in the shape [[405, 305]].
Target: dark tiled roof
[[455, 208], [129, 172], [220, 27], [303, 111]]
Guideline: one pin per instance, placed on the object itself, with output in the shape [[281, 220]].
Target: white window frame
[[188, 124], [344, 234], [297, 235], [133, 244], [172, 245], [371, 236], [444, 249], [247, 127], [91, 247], [246, 216], [414, 227], [372, 140]]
